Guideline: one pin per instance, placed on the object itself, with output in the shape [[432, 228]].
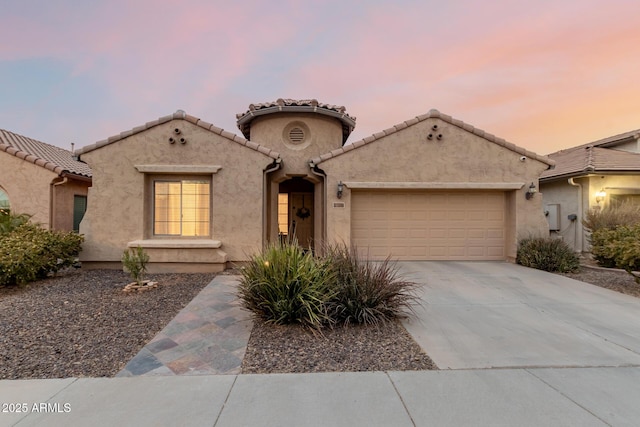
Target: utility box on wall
[[552, 212]]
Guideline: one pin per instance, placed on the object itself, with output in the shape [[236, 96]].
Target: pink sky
[[544, 75]]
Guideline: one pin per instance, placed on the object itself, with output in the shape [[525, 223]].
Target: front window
[[5, 206], [181, 208]]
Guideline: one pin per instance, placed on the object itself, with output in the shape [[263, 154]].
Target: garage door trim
[[362, 185]]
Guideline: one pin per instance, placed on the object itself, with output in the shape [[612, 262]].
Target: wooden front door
[[301, 217]]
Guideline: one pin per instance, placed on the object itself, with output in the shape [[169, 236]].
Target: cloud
[[529, 72]]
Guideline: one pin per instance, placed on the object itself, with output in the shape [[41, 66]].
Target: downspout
[[579, 228], [319, 172], [52, 197], [271, 167]]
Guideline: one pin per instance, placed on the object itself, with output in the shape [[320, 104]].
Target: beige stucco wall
[[568, 197], [460, 157], [324, 135], [119, 200], [28, 186]]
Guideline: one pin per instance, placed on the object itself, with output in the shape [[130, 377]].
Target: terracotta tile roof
[[180, 115], [431, 114], [589, 159], [299, 106], [50, 157]]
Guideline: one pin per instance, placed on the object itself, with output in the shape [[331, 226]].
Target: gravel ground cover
[[81, 324], [290, 348], [616, 280]]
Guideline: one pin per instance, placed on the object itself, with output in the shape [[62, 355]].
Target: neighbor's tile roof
[[299, 106], [50, 157], [611, 141], [589, 159], [431, 114], [181, 115]]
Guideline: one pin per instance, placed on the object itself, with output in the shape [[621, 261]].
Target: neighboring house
[[590, 176], [42, 180], [198, 198]]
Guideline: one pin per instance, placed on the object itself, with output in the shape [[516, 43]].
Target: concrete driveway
[[502, 315]]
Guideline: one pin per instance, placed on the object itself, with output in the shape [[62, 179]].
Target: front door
[[301, 217]]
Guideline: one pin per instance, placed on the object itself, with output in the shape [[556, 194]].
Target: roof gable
[[180, 115], [431, 114], [48, 156]]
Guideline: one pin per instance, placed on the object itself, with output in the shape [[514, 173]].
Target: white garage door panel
[[423, 225]]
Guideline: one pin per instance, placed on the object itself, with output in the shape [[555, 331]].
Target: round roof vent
[[296, 135]]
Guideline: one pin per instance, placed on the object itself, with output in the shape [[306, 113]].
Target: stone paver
[[208, 337]]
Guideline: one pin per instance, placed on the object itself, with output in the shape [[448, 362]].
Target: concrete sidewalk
[[509, 397]]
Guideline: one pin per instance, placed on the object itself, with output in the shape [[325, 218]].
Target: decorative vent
[[296, 135]]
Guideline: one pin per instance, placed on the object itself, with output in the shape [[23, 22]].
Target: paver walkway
[[209, 336]]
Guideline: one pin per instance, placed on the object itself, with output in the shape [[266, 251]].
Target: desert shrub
[[30, 252], [544, 253], [612, 216], [135, 262], [10, 221], [601, 248], [618, 248], [367, 292], [284, 284]]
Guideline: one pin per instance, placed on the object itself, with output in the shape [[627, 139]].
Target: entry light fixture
[[531, 191], [340, 190], [600, 195]]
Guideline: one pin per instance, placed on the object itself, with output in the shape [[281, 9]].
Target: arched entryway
[[296, 211]]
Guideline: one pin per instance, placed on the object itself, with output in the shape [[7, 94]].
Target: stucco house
[[42, 180], [197, 197], [590, 176]]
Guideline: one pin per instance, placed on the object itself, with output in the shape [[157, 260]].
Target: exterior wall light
[[600, 195], [340, 190], [531, 191]]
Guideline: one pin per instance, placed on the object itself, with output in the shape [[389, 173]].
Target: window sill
[[176, 243]]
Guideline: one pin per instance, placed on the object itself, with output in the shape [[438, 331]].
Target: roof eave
[[245, 120], [590, 172]]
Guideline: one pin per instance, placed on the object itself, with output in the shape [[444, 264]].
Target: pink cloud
[[535, 73]]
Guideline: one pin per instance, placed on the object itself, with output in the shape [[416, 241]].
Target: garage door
[[429, 225]]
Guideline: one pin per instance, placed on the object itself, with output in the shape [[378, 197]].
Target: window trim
[[149, 210]]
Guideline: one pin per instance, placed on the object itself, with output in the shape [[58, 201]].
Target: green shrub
[[9, 221], [612, 216], [601, 249], [30, 252], [367, 292], [547, 254], [135, 262], [618, 248], [285, 284]]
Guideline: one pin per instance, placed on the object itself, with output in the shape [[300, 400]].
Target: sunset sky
[[544, 75]]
